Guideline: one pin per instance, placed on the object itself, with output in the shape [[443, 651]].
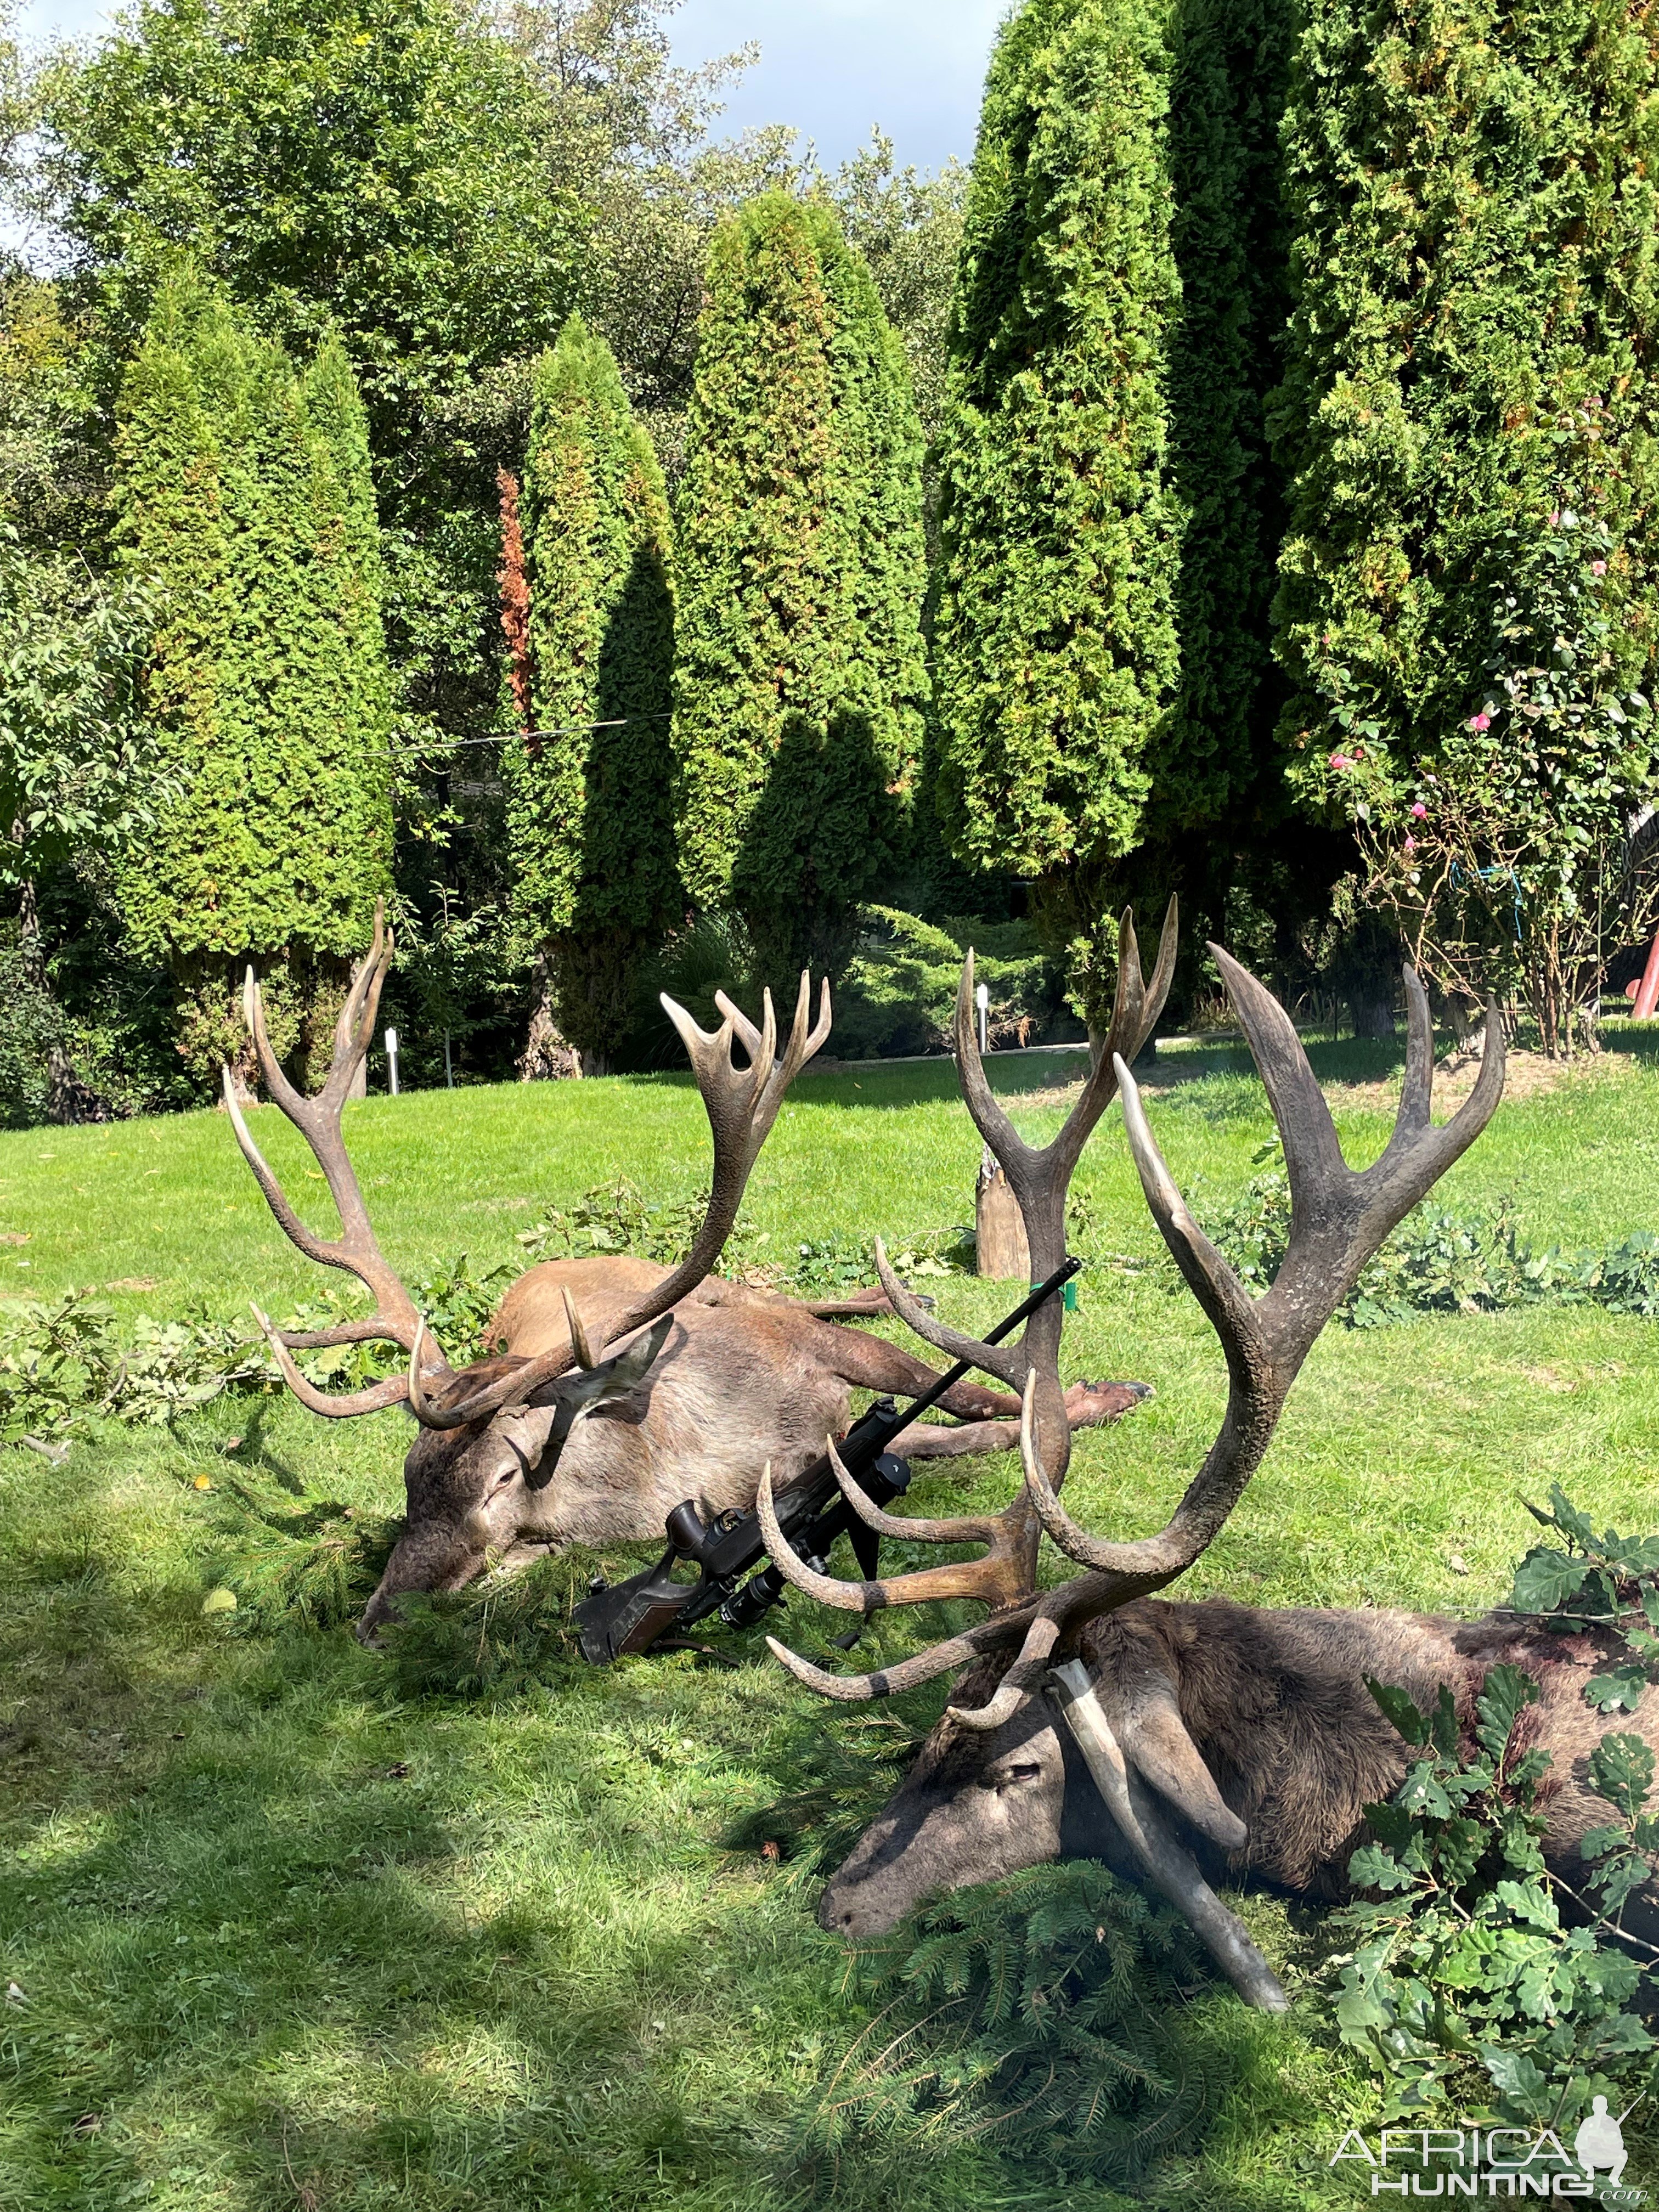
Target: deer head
[[1339, 1219], [494, 1432]]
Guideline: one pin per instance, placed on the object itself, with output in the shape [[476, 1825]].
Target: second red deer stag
[[986, 1795], [619, 1388]]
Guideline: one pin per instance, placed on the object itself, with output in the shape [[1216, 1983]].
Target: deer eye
[[1027, 1771]]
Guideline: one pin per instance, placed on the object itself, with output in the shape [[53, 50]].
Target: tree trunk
[[548, 1057], [999, 1246], [1373, 1013], [68, 1099]]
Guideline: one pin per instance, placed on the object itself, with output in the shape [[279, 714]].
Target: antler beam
[[742, 1104], [1340, 1216]]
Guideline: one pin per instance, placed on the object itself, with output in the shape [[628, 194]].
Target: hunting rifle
[[619, 1618]]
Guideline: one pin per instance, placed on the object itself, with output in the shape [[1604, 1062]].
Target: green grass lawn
[[288, 1935]]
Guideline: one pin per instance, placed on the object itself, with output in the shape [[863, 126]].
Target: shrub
[[899, 993]]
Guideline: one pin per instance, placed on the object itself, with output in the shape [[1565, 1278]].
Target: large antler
[[1339, 1218], [742, 1104], [1005, 1571], [318, 1120]]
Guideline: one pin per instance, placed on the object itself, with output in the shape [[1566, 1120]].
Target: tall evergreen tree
[[1469, 424], [1229, 62], [590, 810], [1055, 651], [243, 495], [799, 681]]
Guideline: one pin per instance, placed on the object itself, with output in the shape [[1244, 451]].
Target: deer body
[[1255, 1728], [551, 1442], [742, 1380]]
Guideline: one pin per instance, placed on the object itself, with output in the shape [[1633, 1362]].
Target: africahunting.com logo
[[1478, 2161]]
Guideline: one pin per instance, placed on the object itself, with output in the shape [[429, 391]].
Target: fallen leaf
[[14, 1995], [769, 1850], [201, 1482], [14, 1236], [220, 1599], [1458, 1564]]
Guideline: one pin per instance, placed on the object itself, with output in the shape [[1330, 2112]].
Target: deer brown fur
[[741, 1381]]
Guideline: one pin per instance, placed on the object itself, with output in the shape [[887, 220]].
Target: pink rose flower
[[1418, 809], [1340, 760], [1411, 844], [1480, 721], [1598, 568]]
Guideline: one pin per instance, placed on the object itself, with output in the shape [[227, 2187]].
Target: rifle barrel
[[1041, 1293]]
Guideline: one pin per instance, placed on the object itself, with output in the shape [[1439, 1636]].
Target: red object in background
[[1647, 996]]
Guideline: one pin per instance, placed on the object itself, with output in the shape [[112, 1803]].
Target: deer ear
[[1154, 1737]]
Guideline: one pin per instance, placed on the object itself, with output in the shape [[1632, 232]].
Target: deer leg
[[871, 1363], [1087, 1405]]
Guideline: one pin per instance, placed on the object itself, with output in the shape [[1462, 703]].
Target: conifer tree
[[244, 495], [1054, 643], [799, 678], [1229, 64], [589, 813], [1467, 424]]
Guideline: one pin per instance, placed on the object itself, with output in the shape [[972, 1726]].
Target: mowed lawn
[[282, 1938]]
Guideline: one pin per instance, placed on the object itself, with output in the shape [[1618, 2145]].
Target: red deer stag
[[617, 1388], [991, 1770]]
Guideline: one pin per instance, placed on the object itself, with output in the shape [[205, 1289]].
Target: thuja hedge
[[1055, 651], [243, 492], [799, 679], [1475, 190], [590, 814]]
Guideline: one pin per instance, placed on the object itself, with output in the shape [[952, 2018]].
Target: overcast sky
[[832, 67]]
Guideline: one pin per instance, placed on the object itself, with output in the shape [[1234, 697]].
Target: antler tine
[[891, 1682], [1415, 1092], [1338, 1216], [1005, 1361], [588, 1355], [1136, 1007], [973, 1529], [354, 1031], [995, 1578], [741, 1103], [1231, 1311], [355, 1251], [1017, 1683], [374, 1400]]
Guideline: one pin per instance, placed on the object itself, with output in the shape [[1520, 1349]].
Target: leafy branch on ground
[[1591, 1581], [1442, 1260], [1461, 1963], [618, 1217]]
